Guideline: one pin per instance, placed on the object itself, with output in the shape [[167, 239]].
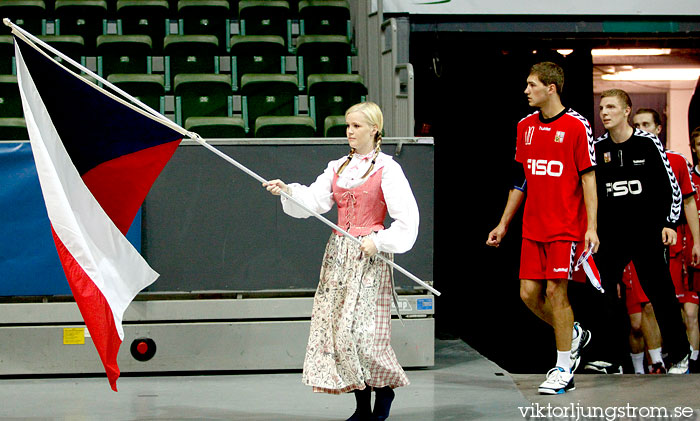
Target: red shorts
[[686, 279], [552, 260], [634, 294]]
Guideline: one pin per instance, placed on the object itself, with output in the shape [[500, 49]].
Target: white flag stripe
[[90, 236]]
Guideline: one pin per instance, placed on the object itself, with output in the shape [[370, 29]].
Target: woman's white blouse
[[400, 236]]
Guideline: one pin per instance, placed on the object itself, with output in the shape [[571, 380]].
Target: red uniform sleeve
[[584, 152], [681, 169]]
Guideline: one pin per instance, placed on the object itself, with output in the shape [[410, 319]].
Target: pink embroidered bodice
[[361, 210]]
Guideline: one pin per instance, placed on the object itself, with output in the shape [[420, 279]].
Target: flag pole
[[195, 137]]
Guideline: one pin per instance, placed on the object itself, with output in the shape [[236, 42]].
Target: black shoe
[[363, 398], [382, 403]]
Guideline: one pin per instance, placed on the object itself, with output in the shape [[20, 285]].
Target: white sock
[[694, 354], [655, 355], [564, 360], [638, 362]]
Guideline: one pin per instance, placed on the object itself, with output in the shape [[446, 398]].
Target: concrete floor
[[462, 385]]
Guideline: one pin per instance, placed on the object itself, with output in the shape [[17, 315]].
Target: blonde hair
[[373, 115]]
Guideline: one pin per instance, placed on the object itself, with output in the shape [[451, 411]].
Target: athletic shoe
[[693, 366], [681, 367], [602, 367], [577, 344], [657, 368], [558, 381]]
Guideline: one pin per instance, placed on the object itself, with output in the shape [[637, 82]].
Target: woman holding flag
[[349, 343]]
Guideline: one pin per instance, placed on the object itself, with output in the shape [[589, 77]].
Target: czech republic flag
[[96, 156]]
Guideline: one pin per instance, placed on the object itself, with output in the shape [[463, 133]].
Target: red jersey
[[682, 170], [695, 179], [554, 153]]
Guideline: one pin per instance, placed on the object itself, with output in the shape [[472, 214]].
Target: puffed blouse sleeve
[[318, 196], [401, 235]]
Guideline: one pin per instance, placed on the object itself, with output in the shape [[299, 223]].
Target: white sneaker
[[681, 367], [558, 381], [582, 339]]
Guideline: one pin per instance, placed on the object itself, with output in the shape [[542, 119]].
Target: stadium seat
[[333, 94], [256, 54], [265, 17], [202, 95], [13, 128], [217, 127], [322, 54], [81, 17], [7, 55], [327, 17], [10, 102], [190, 54], [334, 126], [28, 14], [284, 126], [123, 54], [144, 17], [205, 17], [72, 46], [263, 94], [147, 88]]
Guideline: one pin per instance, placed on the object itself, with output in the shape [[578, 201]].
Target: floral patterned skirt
[[349, 341]]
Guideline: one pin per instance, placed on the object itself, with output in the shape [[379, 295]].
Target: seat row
[[294, 8], [91, 18], [198, 54], [269, 104]]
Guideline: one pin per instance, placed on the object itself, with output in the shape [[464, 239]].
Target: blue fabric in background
[[29, 263]]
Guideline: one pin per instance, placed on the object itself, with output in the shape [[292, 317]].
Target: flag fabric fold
[[97, 157]]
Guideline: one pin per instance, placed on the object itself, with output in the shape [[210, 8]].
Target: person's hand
[[669, 236], [696, 254], [276, 187], [368, 247], [591, 237], [495, 236]]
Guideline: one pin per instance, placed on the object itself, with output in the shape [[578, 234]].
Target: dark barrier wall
[[207, 226]]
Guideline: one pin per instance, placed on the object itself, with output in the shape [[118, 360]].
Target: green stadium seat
[[7, 55], [190, 54], [325, 54], [327, 17], [217, 127], [256, 54], [284, 126], [205, 17], [202, 95], [28, 14], [144, 17], [334, 126], [263, 94], [13, 128], [265, 17], [72, 46], [333, 94], [81, 17], [10, 101], [123, 54], [147, 88]]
